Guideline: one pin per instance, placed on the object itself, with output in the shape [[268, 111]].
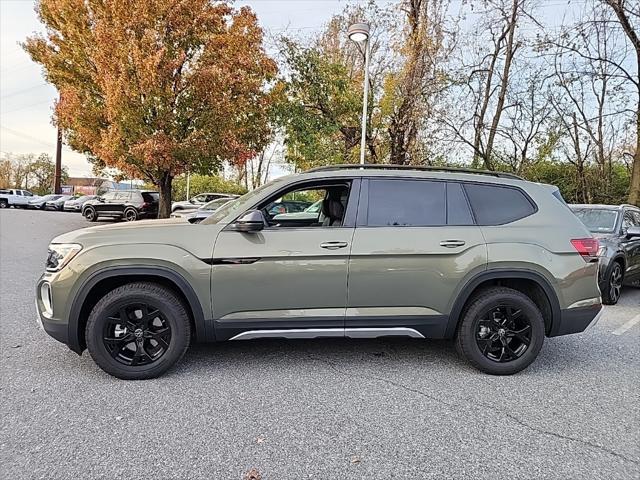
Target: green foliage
[[30, 172], [318, 107], [203, 183]]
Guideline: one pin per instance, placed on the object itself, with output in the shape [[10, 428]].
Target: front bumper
[[55, 327], [576, 320]]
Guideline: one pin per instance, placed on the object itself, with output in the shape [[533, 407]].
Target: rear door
[[414, 243]]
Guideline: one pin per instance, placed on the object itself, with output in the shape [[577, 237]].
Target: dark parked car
[[618, 231], [58, 203], [40, 202], [76, 204], [129, 205]]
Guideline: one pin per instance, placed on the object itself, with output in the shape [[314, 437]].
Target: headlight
[[60, 254]]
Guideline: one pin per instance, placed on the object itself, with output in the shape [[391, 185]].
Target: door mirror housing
[[633, 232], [250, 221]]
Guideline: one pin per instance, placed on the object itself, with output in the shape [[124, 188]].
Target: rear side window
[[458, 212], [150, 197], [417, 203], [497, 205]]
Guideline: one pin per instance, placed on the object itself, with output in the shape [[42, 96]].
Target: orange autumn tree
[[156, 87]]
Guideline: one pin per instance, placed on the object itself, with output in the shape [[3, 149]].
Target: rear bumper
[[576, 320]]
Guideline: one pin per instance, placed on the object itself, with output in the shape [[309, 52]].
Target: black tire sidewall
[[468, 346], [173, 311], [89, 210], [129, 210], [606, 294]]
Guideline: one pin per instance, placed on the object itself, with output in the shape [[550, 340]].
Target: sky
[[26, 99]]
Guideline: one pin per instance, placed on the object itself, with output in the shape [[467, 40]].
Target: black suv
[[129, 205], [617, 228]]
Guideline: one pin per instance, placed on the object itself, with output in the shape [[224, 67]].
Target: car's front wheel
[[502, 331], [138, 331], [130, 215], [613, 288], [90, 214]]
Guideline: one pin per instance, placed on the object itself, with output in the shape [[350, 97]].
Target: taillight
[[587, 248], [146, 205]]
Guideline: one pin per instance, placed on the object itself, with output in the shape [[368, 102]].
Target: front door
[[290, 279], [631, 245], [414, 243]]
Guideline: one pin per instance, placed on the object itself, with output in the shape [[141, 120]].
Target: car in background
[[311, 212], [196, 216], [617, 228], [40, 202], [58, 203], [11, 197], [129, 205], [287, 206], [75, 204], [199, 200]]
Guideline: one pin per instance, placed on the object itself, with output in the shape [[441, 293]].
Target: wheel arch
[[104, 280], [532, 283]]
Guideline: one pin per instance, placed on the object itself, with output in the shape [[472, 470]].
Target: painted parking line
[[627, 326]]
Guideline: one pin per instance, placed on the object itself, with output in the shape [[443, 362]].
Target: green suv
[[488, 259]]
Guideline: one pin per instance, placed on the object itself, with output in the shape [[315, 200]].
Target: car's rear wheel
[[90, 214], [138, 331], [502, 331], [130, 215], [613, 288]]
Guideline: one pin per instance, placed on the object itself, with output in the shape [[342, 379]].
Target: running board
[[293, 333]]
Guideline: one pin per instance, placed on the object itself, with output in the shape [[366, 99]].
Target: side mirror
[[633, 232], [251, 221]]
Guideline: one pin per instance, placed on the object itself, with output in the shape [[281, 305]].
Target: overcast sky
[[26, 99]]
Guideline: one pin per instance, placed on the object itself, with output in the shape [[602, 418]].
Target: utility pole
[[58, 172]]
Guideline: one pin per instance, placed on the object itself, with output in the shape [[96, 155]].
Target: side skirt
[[293, 333]]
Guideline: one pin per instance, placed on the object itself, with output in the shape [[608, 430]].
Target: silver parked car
[[75, 204]]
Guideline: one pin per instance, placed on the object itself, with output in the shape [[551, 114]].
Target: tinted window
[[406, 203], [151, 197], [495, 205], [630, 220], [109, 196], [458, 212]]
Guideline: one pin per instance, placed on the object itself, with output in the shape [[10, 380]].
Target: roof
[[602, 206], [410, 171]]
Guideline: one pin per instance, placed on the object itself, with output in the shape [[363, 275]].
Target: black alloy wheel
[[90, 214], [503, 333], [136, 334], [614, 287], [130, 215]]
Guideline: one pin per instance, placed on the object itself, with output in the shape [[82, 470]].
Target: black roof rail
[[428, 168]]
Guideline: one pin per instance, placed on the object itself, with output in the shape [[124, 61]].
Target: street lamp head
[[358, 32]]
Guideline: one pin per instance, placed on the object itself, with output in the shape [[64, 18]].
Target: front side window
[[417, 203], [497, 205], [293, 208]]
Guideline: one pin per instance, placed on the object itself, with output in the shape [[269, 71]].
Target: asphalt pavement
[[324, 409]]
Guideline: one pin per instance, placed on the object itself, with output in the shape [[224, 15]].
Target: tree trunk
[[166, 181]]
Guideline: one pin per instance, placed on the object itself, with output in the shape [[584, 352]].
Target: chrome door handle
[[333, 245], [452, 243]]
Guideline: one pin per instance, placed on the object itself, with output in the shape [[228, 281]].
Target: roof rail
[[429, 168]]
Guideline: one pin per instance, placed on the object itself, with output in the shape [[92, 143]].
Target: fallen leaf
[[355, 460], [253, 474], [260, 440], [17, 345]]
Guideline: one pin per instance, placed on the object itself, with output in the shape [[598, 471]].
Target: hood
[[194, 238]]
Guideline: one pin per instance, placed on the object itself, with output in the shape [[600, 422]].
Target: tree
[[628, 15], [42, 172], [156, 87]]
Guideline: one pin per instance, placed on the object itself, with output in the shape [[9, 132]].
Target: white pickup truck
[[15, 198]]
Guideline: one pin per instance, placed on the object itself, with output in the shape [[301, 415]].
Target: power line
[[20, 92]]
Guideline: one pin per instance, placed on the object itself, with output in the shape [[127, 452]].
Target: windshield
[[598, 220], [240, 204], [215, 204]]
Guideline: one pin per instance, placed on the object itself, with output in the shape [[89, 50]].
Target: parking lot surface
[[326, 409]]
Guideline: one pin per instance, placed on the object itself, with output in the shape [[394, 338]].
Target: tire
[[496, 318], [130, 215], [613, 287], [156, 346], [4, 204], [90, 214]]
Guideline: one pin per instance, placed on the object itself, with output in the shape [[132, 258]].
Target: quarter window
[[497, 205], [418, 203], [458, 212]]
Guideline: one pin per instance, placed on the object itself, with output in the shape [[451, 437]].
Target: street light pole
[[359, 32]]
